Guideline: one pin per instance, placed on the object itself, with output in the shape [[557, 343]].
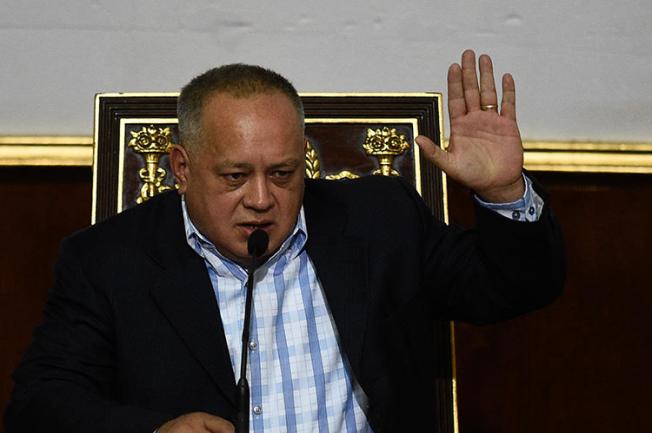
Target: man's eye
[[282, 174], [233, 176]]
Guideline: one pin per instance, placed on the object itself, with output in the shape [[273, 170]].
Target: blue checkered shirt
[[298, 379]]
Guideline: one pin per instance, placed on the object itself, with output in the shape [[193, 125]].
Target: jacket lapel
[[340, 260], [184, 294]]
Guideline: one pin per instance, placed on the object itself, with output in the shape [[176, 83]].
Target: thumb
[[434, 153]]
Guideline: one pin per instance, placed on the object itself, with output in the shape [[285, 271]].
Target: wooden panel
[[582, 364], [41, 206]]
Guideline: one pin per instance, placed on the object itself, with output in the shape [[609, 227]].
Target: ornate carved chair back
[[349, 135]]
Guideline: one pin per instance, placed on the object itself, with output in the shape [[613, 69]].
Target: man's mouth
[[252, 226]]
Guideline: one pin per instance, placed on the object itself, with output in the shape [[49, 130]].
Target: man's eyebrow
[[232, 164]]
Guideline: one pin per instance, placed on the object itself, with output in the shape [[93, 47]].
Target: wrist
[[504, 194]]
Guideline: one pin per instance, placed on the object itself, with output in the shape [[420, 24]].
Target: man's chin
[[241, 254], [242, 257], [246, 261]]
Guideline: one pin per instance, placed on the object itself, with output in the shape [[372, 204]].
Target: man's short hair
[[238, 80]]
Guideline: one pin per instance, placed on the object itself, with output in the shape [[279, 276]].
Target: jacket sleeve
[[495, 271]]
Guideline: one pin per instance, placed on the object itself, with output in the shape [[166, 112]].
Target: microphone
[[256, 247], [257, 243]]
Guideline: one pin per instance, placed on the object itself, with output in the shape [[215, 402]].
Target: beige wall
[[583, 68]]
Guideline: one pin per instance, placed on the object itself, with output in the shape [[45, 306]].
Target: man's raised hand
[[485, 152]]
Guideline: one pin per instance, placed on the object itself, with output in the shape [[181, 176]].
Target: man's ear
[[180, 165]]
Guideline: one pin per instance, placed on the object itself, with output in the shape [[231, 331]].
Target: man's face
[[247, 173]]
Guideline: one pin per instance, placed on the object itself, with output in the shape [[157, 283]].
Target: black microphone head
[[257, 243]]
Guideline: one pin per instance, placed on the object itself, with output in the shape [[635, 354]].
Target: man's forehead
[[223, 109]]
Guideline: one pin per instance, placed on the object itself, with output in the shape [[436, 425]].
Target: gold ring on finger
[[489, 107]]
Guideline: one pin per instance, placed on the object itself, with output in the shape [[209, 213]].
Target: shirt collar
[[292, 246]]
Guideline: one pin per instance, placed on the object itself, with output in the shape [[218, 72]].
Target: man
[[142, 329]]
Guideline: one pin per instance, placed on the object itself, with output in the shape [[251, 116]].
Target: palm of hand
[[485, 150]]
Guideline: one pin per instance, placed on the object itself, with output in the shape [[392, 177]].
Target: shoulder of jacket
[[129, 224]]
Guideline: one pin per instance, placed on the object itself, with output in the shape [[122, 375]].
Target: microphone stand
[[257, 244]]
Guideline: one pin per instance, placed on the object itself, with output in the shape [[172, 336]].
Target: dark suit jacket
[[132, 335]]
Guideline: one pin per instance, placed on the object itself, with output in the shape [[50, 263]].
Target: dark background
[[579, 365]]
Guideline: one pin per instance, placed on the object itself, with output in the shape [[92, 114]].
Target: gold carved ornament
[[151, 143], [344, 174], [312, 162], [385, 144]]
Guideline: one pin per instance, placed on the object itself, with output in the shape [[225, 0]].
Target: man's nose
[[258, 195]]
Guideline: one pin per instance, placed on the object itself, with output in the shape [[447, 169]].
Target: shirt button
[[516, 215], [258, 410], [253, 345], [531, 210]]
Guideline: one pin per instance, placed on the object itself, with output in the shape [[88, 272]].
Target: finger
[[508, 104], [219, 425], [487, 83], [434, 153], [470, 81], [215, 424], [197, 422], [456, 103]]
